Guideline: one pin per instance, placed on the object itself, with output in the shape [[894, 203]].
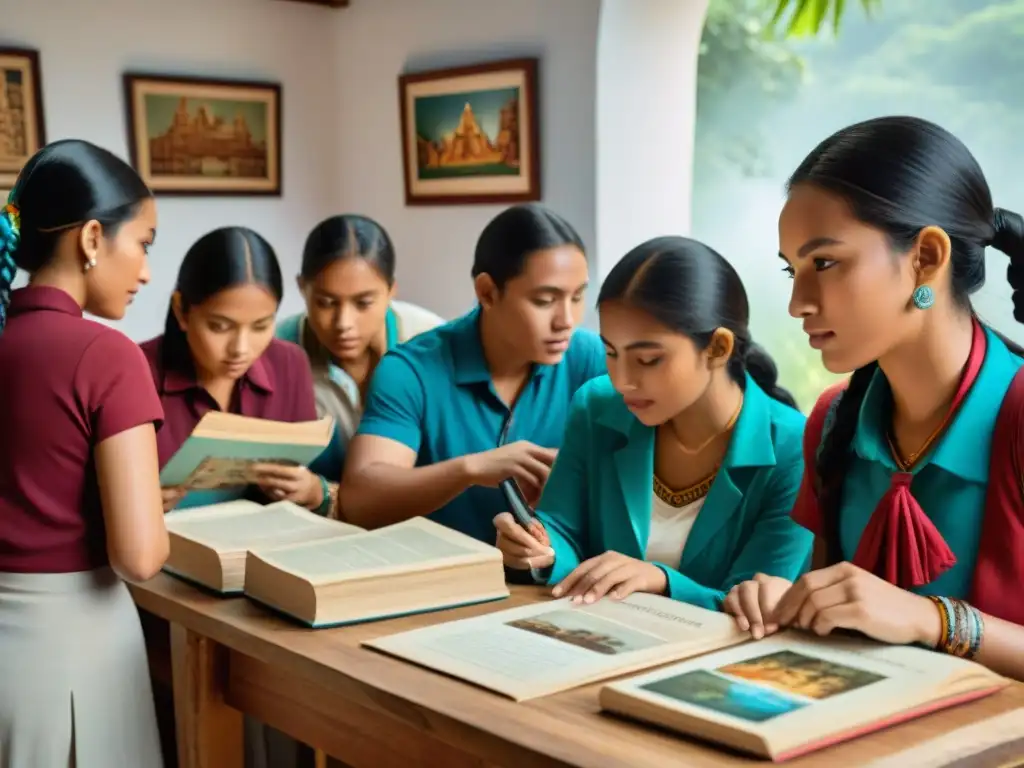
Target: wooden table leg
[[209, 731]]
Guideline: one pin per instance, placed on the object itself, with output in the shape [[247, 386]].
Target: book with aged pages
[[209, 544], [410, 567], [795, 693], [544, 648], [223, 447]]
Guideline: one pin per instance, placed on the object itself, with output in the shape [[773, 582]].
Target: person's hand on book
[[612, 574], [522, 549], [289, 483], [171, 495], [844, 596], [527, 463], [753, 602]]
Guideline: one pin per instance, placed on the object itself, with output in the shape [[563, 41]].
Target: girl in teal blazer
[[678, 469]]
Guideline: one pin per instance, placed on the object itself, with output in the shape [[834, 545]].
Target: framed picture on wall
[[471, 134], [22, 130], [192, 136]]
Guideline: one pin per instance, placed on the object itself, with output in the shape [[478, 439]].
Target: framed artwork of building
[[191, 136], [471, 134], [22, 130]]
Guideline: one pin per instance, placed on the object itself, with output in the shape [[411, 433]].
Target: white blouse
[[670, 527]]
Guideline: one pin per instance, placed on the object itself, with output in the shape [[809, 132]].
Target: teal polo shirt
[[434, 394], [950, 483]]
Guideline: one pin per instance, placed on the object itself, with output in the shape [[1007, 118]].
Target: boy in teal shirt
[[483, 398]]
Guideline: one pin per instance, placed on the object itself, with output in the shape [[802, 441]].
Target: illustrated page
[[524, 652]]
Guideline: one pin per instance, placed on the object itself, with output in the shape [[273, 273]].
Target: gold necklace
[[710, 440]]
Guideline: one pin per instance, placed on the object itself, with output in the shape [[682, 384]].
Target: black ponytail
[[692, 289], [900, 175], [762, 369], [834, 456]]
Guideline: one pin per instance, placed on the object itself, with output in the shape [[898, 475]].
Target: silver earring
[[89, 265]]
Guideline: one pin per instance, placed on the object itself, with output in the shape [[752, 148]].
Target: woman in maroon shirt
[[79, 490], [218, 352]]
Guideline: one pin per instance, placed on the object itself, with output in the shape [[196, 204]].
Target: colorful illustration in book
[[584, 630], [215, 473], [706, 689], [764, 687], [792, 672]]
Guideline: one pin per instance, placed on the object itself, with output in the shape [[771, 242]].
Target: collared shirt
[[950, 482], [435, 395], [278, 386], [337, 393], [67, 384]]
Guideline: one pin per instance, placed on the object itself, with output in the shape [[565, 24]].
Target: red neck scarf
[[901, 545]]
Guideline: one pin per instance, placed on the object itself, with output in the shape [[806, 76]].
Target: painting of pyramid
[[468, 134], [471, 134]]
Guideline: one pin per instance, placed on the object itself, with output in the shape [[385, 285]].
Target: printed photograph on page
[[217, 473], [764, 687]]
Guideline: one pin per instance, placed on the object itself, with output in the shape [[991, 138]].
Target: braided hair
[[10, 237]]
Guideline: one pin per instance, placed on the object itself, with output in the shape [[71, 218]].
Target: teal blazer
[[599, 495]]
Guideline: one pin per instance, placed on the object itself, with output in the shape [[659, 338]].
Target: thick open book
[[794, 693], [409, 567], [222, 448], [209, 544], [552, 646]]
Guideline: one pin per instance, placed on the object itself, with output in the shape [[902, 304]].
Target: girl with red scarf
[[912, 484]]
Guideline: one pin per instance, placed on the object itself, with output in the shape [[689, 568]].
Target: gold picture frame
[[200, 136]]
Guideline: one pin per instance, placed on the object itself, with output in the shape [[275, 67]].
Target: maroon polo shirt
[[66, 385], [278, 386]]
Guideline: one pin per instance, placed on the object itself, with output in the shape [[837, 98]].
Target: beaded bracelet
[[962, 627]]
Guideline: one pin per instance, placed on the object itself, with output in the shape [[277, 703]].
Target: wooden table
[[371, 711]]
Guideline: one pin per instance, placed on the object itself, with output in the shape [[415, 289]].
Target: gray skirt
[[74, 681]]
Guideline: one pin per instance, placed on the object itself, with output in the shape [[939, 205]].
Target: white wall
[[379, 39], [342, 151], [85, 47], [646, 111]]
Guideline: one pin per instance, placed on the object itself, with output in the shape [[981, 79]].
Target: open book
[[222, 448], [409, 567], [209, 544], [794, 693], [552, 646]]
